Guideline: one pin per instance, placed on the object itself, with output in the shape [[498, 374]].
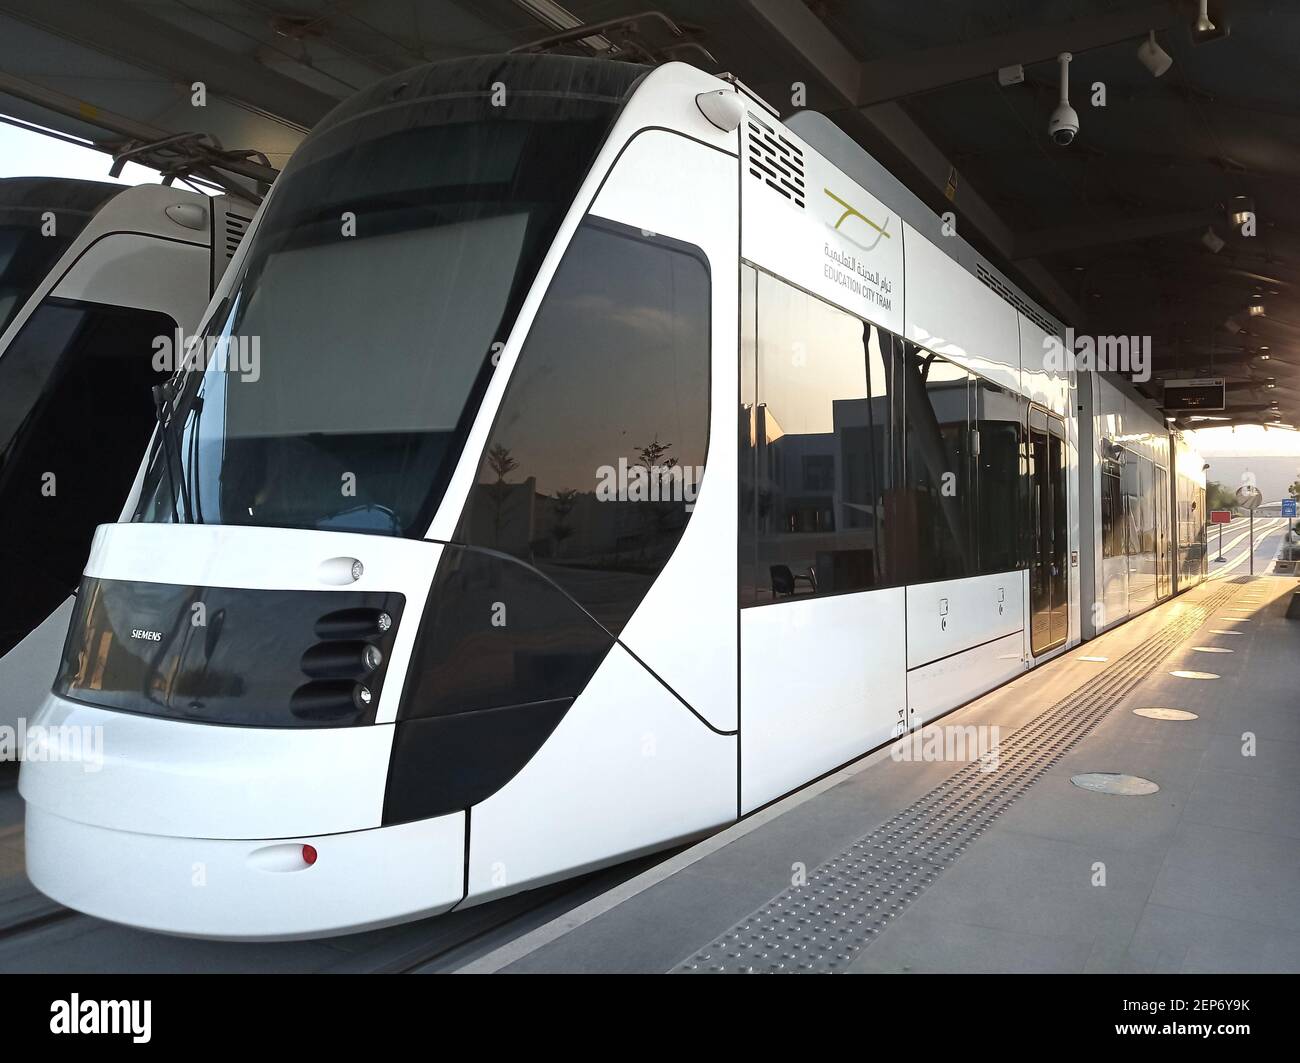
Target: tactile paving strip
[[848, 900]]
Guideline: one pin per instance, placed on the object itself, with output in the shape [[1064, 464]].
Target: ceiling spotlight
[[1203, 23], [1212, 240], [1064, 123], [1153, 57], [1204, 30], [1255, 309]]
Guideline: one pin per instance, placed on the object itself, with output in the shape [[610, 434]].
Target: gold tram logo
[[852, 219]]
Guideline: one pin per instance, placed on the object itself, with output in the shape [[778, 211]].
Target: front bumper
[[249, 890]]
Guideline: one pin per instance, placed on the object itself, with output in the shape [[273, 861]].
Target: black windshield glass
[[345, 370]]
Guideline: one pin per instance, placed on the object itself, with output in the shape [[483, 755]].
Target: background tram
[[440, 659], [91, 273]]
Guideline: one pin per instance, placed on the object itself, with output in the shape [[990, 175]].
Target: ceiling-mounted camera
[[1064, 124]]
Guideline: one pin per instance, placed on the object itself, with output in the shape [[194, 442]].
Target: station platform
[[918, 865]]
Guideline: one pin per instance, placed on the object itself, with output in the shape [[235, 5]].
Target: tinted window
[[597, 452], [1112, 511], [392, 258], [999, 477], [822, 439], [747, 437], [939, 450], [230, 655], [75, 418], [40, 217]]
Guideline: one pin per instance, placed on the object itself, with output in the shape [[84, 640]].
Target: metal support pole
[[1252, 542]]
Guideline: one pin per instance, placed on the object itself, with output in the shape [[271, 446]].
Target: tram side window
[[750, 580], [822, 447], [1131, 491], [938, 457], [1112, 512], [76, 414], [999, 486], [597, 454]]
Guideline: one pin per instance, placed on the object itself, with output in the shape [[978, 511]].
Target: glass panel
[[40, 217], [391, 259], [1040, 569], [1060, 537], [999, 506], [815, 528], [747, 438], [1112, 511], [498, 634], [261, 658], [597, 452], [75, 418], [939, 444]]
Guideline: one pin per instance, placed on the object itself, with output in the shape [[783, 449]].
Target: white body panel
[[129, 270], [230, 889], [954, 615], [239, 782], [954, 315], [822, 681], [628, 770], [941, 686], [854, 261]]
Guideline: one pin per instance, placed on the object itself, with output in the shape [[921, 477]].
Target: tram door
[[1164, 559], [1049, 578]]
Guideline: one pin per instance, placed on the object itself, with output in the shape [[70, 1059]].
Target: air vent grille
[[236, 230], [229, 229], [775, 161], [1023, 305]]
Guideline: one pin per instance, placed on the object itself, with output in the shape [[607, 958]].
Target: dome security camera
[[1064, 124]]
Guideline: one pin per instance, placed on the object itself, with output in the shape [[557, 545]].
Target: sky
[[1246, 440], [24, 153]]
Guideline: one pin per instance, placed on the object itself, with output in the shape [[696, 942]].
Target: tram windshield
[[343, 372], [39, 219]]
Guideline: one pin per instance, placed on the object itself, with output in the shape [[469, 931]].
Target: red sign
[[1220, 516]]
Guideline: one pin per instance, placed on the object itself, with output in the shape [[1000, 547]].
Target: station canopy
[[1172, 214]]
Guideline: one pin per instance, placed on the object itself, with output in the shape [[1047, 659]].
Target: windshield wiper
[[163, 396]]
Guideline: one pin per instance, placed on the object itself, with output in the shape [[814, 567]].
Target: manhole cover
[[1165, 714], [1109, 782], [1183, 674], [1211, 649]]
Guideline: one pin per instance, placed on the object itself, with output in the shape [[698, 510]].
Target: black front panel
[[501, 654], [252, 658], [444, 764]]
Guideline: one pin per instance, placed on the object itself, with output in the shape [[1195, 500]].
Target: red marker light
[[309, 854]]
